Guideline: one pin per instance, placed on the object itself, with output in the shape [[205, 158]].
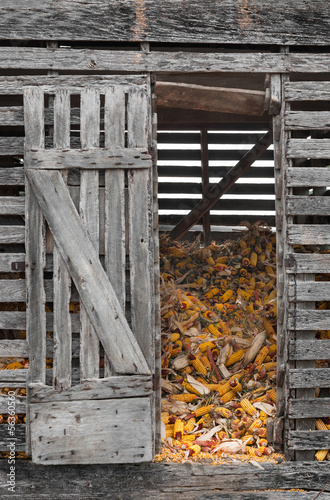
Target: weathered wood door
[[302, 153], [90, 294]]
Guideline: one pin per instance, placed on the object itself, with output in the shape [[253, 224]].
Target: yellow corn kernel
[[250, 308], [228, 397], [273, 395], [256, 424], [203, 347], [214, 387], [262, 355], [175, 337], [270, 271], [236, 356], [236, 386], [267, 367], [165, 416], [247, 438], [224, 412], [178, 429], [210, 261], [261, 399], [195, 449], [320, 455], [242, 243], [320, 425], [262, 257], [272, 348], [199, 367], [271, 374], [177, 349], [205, 360], [188, 438], [186, 398], [226, 387], [263, 416], [227, 295], [258, 249], [247, 406], [245, 261], [203, 410], [190, 425], [169, 430], [214, 330], [190, 388], [253, 259]]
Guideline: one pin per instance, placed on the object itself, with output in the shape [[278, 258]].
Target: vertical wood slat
[[61, 278], [89, 212], [115, 231], [140, 228], [35, 244]]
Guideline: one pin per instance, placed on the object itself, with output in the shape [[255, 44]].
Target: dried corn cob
[[178, 429], [247, 406], [203, 410], [186, 397], [236, 356]]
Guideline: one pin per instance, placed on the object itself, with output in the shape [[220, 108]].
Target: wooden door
[[90, 288]]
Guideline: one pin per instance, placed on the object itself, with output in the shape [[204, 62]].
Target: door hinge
[[18, 266]]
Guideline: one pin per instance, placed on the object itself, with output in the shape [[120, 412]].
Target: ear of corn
[[247, 406], [236, 356], [203, 410], [178, 429]]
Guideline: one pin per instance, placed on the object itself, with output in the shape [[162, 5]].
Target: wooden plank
[[5, 437], [205, 98], [309, 291], [62, 282], [115, 227], [11, 116], [12, 205], [307, 120], [309, 377], [90, 158], [308, 263], [308, 177], [309, 408], [309, 440], [12, 234], [308, 148], [105, 388], [13, 176], [35, 243], [19, 402], [13, 376], [214, 22], [308, 205], [59, 442], [13, 348], [304, 234], [15, 291], [309, 349], [10, 146], [222, 187], [307, 91], [89, 213], [92, 284], [16, 320], [303, 320]]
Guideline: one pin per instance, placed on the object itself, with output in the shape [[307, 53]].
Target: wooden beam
[[222, 187], [205, 98]]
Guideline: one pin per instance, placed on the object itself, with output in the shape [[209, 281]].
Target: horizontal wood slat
[[5, 438], [304, 234], [308, 177], [12, 234], [309, 408], [20, 348], [8, 260], [12, 176], [307, 91], [16, 320], [309, 349], [106, 388], [308, 205], [309, 377], [308, 148], [12, 205], [308, 263], [20, 404], [309, 320], [276, 23], [10, 146], [89, 158], [307, 120], [309, 440], [309, 291]]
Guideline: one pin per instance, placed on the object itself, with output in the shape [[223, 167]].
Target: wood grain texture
[[307, 120], [12, 176], [308, 263], [308, 177], [19, 402], [308, 205], [16, 320], [304, 234], [309, 291], [113, 387], [59, 441], [308, 148], [11, 348], [309, 349], [309, 440], [309, 408], [12, 205], [307, 91], [92, 284], [309, 320], [125, 20], [5, 438], [12, 234], [309, 377]]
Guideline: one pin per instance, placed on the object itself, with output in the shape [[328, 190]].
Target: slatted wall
[[304, 346], [181, 160]]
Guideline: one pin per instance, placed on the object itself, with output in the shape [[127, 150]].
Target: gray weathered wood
[[15, 291], [309, 377], [308, 177], [92, 284], [205, 98], [114, 204], [309, 440], [89, 213], [12, 176], [308, 148], [106, 388], [309, 291], [307, 320], [304, 234], [123, 20], [302, 120], [11, 115], [12, 234], [308, 205], [89, 158], [35, 243], [307, 91], [309, 349], [20, 404], [5, 438], [308, 263], [18, 377], [59, 441], [11, 348], [16, 320], [309, 408], [11, 146], [12, 205]]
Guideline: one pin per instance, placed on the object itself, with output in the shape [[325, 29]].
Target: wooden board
[[309, 320], [307, 91], [20, 404], [304, 234], [309, 377], [16, 320], [308, 177], [309, 440], [58, 441], [308, 120], [309, 408], [216, 21], [309, 291], [308, 263], [309, 349], [308, 148], [308, 205]]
